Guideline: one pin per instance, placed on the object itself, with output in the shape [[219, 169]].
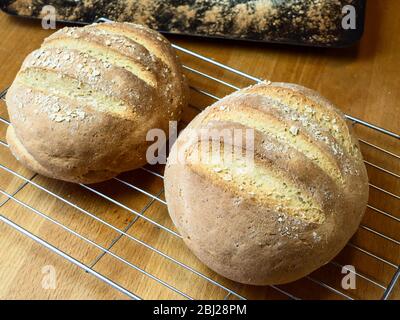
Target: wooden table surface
[[364, 81]]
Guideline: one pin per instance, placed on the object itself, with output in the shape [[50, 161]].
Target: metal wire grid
[[386, 290]]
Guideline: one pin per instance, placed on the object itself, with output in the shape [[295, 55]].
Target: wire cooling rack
[[169, 269]]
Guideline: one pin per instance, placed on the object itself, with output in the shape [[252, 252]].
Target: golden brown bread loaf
[[291, 211], [82, 104]]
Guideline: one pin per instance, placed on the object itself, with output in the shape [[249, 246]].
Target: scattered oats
[[222, 108], [242, 170], [55, 108], [59, 119], [108, 43], [227, 177], [294, 130], [96, 73], [309, 110], [280, 219], [237, 201], [316, 236], [80, 114]]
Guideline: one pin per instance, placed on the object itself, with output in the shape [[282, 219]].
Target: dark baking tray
[[296, 22]]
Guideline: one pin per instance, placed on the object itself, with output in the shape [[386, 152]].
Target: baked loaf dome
[[288, 213], [82, 104]]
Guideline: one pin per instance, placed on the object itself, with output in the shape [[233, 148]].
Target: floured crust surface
[[288, 214], [292, 21]]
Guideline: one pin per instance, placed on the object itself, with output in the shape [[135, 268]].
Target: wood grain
[[363, 81]]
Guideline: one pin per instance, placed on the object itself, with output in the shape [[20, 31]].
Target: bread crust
[[246, 236], [78, 114]]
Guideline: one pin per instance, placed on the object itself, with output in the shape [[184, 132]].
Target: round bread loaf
[[284, 212], [82, 104]]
